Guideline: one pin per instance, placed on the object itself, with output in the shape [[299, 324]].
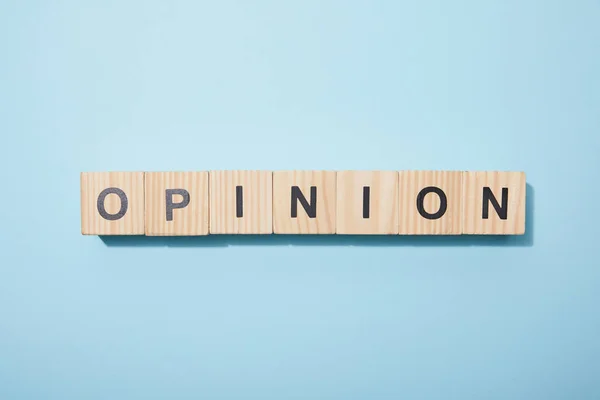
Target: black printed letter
[[366, 201], [169, 201], [239, 201], [443, 202], [102, 210], [488, 197], [310, 208]]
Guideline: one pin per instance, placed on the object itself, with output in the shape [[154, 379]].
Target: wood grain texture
[[191, 220], [473, 203], [324, 183], [257, 202], [411, 183], [383, 210], [131, 183]]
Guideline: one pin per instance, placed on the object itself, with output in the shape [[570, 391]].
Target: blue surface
[[138, 85]]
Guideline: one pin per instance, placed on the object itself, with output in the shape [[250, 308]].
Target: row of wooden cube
[[302, 202]]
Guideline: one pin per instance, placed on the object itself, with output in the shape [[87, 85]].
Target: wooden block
[[304, 202], [112, 203], [494, 203], [177, 203], [241, 202], [367, 202], [430, 202]]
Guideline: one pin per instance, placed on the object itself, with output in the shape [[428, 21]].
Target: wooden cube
[[367, 202], [430, 202], [112, 203], [241, 202], [176, 203], [304, 202], [494, 203]]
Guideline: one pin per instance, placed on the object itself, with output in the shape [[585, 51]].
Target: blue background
[[140, 85]]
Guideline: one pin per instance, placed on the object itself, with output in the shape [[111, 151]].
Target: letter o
[[100, 204], [443, 202]]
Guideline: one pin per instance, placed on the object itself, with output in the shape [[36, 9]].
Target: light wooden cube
[[241, 202], [304, 202], [494, 203], [430, 202], [176, 203], [112, 203], [367, 202]]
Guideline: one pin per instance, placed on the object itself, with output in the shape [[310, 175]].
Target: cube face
[[241, 202], [367, 202], [177, 203], [430, 202], [304, 202], [494, 203], [112, 203]]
